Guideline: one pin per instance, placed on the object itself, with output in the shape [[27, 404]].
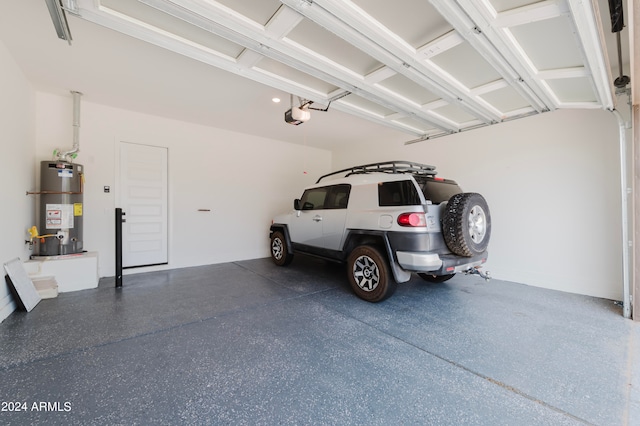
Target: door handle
[[317, 218]]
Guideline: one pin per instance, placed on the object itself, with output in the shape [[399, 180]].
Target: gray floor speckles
[[251, 343]]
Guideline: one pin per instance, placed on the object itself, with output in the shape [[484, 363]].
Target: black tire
[[369, 275], [435, 278], [279, 252], [466, 224]]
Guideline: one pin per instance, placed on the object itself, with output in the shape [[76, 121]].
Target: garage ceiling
[[420, 68]]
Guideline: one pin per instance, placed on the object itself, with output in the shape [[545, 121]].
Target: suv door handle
[[317, 218]]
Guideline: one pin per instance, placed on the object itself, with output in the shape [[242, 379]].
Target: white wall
[[552, 184], [243, 179], [16, 174]]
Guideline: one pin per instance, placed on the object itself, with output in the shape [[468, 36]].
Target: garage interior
[[513, 99]]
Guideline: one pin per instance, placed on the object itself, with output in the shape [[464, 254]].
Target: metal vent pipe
[[70, 154]]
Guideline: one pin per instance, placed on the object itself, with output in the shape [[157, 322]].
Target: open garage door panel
[[425, 68]]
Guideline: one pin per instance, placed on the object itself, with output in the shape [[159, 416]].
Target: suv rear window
[[398, 193], [438, 191]]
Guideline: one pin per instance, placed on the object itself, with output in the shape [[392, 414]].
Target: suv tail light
[[412, 219]]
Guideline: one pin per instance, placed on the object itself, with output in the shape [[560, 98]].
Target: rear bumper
[[416, 261], [438, 264]]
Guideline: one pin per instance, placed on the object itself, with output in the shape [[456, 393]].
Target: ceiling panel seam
[[441, 44]]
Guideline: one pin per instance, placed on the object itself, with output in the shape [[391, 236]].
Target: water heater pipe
[[70, 154]]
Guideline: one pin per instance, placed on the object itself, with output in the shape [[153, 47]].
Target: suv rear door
[[334, 216]]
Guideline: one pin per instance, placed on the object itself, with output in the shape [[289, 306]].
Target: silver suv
[[386, 221]]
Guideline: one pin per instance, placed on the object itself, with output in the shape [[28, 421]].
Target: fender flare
[[399, 274]]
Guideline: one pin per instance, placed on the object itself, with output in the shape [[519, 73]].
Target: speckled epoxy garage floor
[[250, 343]]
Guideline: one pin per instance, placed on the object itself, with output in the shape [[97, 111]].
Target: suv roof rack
[[392, 167]]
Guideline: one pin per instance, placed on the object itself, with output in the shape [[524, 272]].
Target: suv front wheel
[[279, 252], [369, 274]]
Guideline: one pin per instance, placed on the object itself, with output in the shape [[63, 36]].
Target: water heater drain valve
[[33, 232]]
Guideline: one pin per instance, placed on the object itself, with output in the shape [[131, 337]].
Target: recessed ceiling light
[[276, 100]]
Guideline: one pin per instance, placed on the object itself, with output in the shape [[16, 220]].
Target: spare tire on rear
[[466, 224]]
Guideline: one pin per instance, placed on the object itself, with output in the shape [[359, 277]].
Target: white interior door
[[143, 197]]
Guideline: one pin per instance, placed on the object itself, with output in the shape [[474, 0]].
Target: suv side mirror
[[296, 204]]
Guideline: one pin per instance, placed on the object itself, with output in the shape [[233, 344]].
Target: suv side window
[[313, 199], [328, 197], [399, 193], [338, 197]]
